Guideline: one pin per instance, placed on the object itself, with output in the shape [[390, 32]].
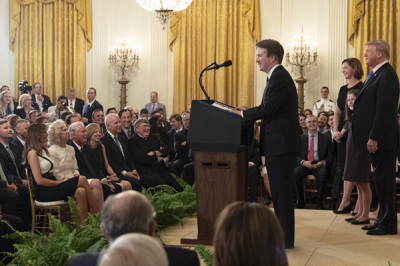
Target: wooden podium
[[220, 165]]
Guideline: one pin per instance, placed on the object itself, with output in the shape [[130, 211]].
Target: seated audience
[[119, 157], [33, 116], [157, 130], [303, 126], [20, 128], [72, 118], [78, 139], [47, 188], [315, 159], [99, 161], [248, 234], [144, 113], [91, 106], [307, 112], [57, 110], [183, 155], [42, 120], [65, 114], [126, 123], [165, 124], [98, 118], [322, 122], [111, 110], [131, 212], [135, 249], [65, 165], [6, 104], [175, 121], [25, 106], [149, 153]]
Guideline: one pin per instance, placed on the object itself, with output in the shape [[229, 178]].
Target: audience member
[[33, 116], [25, 106], [91, 106], [98, 118], [322, 123], [111, 110], [324, 104], [248, 234], [175, 121], [74, 102], [307, 112], [57, 110], [154, 104], [47, 188], [183, 154], [131, 212], [157, 130], [149, 153], [65, 165], [43, 101], [72, 118], [20, 128], [6, 104], [165, 124], [42, 120], [315, 159], [144, 113], [126, 122], [303, 126], [352, 71]]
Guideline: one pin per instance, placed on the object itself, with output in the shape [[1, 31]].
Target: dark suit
[[46, 101], [182, 152], [17, 143], [324, 149], [122, 162], [78, 106], [280, 143], [122, 133], [21, 112], [149, 165], [375, 117], [176, 257], [87, 111]]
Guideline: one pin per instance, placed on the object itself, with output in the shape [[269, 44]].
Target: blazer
[[181, 151], [278, 111], [375, 111], [176, 257], [149, 106], [83, 167], [46, 101], [8, 166], [79, 103], [21, 113], [122, 133], [324, 149], [20, 147], [87, 111], [118, 161]]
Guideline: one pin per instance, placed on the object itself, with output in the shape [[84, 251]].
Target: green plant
[[205, 254]]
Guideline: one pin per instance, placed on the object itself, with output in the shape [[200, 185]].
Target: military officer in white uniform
[[324, 104]]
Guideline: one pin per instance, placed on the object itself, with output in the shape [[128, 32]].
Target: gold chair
[[40, 220], [310, 186]]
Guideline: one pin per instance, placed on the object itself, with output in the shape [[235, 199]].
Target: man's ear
[[152, 228]]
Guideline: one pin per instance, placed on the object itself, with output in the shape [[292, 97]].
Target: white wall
[[325, 21]]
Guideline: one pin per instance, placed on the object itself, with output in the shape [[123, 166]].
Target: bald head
[[127, 212]]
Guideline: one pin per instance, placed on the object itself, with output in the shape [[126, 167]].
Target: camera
[[23, 87], [64, 104]]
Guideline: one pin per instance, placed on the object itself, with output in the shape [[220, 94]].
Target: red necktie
[[152, 109], [311, 151]]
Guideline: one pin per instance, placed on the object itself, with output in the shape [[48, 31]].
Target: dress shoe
[[355, 221], [369, 227], [349, 220], [347, 209], [379, 232], [353, 213]]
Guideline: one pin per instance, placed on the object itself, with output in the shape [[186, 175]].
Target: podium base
[[191, 239]]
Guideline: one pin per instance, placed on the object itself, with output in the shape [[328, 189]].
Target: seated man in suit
[[98, 118], [20, 128], [315, 159], [126, 122], [183, 155], [131, 212], [91, 106], [74, 102], [154, 104], [42, 100], [148, 154], [11, 161], [119, 157], [322, 121], [176, 125], [72, 118]]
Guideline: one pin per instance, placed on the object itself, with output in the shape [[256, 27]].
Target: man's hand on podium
[[238, 110]]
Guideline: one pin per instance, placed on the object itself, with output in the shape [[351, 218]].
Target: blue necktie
[[369, 76], [265, 91], [84, 108]]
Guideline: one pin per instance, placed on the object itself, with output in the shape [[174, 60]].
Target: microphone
[[224, 64]]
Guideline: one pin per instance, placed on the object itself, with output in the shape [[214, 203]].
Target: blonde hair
[[22, 99], [3, 106], [135, 249], [54, 131], [381, 46], [91, 128]]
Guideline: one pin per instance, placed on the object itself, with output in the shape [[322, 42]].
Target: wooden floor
[[322, 238]]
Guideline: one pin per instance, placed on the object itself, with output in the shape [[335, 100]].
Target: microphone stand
[[201, 84]]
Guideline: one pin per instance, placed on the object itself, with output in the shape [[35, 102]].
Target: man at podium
[[279, 138]]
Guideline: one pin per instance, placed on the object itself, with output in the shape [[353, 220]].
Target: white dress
[[65, 164]]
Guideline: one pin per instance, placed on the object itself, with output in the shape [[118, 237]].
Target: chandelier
[[164, 8]]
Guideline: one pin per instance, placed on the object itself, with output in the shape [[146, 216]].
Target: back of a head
[[136, 250], [248, 234]]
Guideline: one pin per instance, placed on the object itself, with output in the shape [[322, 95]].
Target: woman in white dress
[[63, 156]]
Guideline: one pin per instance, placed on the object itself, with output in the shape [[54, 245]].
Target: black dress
[[358, 165], [60, 191]]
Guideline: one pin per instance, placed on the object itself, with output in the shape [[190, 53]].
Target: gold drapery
[[49, 39], [209, 31], [372, 20]]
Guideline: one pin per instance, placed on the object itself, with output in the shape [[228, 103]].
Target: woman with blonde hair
[[6, 104], [248, 234], [47, 187], [99, 161], [63, 157], [24, 106]]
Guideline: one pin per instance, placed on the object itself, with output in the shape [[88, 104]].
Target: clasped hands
[[158, 154], [311, 166]]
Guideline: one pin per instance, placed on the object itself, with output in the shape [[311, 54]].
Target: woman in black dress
[[47, 188], [353, 72]]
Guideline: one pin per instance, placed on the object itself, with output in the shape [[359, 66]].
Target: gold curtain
[[372, 20], [209, 31], [49, 39]]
